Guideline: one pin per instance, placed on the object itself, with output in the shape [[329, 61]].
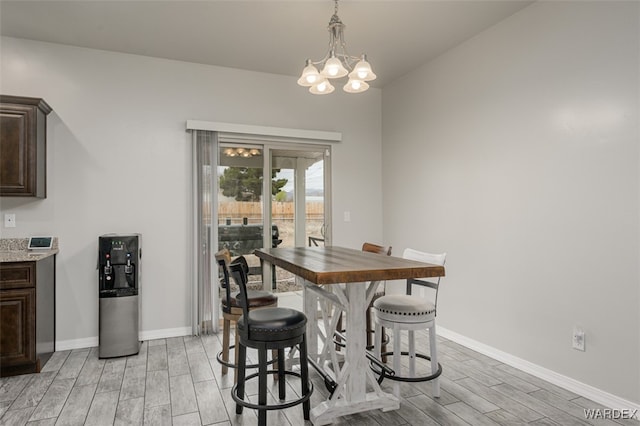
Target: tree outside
[[245, 184]]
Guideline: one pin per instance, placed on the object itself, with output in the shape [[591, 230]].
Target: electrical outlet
[[578, 339], [9, 220]]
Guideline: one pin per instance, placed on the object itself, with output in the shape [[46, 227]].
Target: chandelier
[[242, 152], [337, 63]]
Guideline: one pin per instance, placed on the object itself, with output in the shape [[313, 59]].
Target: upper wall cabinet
[[23, 146]]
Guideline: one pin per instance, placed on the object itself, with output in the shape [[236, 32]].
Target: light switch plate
[[9, 220], [578, 339]]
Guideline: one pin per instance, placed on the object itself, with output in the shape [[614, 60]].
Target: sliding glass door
[[241, 217], [299, 206], [251, 192], [271, 195]]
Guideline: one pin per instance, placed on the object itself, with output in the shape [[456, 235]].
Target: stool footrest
[[232, 365], [280, 406], [340, 334], [399, 378]]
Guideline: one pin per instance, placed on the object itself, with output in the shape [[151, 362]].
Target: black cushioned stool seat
[[274, 323], [269, 329]]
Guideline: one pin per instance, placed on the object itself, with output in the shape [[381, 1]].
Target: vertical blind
[[206, 296]]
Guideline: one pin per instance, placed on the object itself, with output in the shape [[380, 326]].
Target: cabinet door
[[23, 146], [17, 327], [17, 149], [17, 275]]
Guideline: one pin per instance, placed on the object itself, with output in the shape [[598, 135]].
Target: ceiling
[[265, 36]]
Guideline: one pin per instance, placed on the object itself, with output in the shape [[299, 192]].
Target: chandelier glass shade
[[337, 63]]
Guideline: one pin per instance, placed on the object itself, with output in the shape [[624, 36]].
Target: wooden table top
[[331, 265]]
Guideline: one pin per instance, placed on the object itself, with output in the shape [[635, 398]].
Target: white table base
[[354, 374]]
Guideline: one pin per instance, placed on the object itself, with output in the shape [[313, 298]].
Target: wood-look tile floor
[[178, 381]]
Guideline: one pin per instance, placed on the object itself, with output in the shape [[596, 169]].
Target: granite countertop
[[15, 250]]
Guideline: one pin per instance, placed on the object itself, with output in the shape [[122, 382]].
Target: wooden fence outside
[[235, 211]]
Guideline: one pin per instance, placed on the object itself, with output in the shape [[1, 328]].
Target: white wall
[[119, 161], [517, 153]]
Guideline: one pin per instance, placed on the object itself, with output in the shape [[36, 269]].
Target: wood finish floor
[[177, 381]]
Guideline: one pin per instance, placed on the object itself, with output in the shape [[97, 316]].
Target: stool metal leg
[[397, 353], [237, 355], [369, 321], [242, 352], [412, 354], [339, 328], [434, 359], [304, 373], [226, 330], [377, 347], [274, 355], [262, 386], [281, 381]]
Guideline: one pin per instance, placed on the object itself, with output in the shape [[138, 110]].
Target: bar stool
[[407, 312], [374, 248], [377, 249], [269, 329], [232, 310]]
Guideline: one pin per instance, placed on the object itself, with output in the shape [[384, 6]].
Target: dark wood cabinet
[[27, 315], [23, 146], [18, 328]]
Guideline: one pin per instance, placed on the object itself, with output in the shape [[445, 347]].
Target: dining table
[[343, 280]]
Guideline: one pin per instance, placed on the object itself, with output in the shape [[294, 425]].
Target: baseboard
[[165, 333], [66, 345], [594, 394], [89, 342]]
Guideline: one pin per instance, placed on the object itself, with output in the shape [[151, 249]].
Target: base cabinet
[[27, 315]]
